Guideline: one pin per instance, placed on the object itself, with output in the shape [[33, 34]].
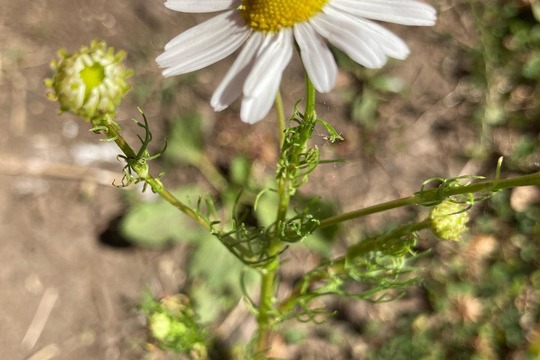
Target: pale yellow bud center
[[92, 76], [273, 15]]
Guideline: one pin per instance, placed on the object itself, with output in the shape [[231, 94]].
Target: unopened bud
[[449, 220], [90, 82]]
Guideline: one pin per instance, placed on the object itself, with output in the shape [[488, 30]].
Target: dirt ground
[[66, 295]]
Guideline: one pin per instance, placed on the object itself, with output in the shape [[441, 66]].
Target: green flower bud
[[160, 326], [449, 220], [90, 82], [173, 325]]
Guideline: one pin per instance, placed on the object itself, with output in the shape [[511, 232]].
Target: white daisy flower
[[268, 29]]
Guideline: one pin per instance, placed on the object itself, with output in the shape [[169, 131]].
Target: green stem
[[113, 133], [367, 211], [171, 199], [429, 196], [280, 118], [285, 189], [377, 243], [309, 113], [265, 319]]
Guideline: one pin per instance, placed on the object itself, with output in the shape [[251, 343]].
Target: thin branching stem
[[266, 314], [112, 132], [429, 196]]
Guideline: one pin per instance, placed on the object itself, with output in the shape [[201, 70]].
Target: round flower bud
[[160, 326], [449, 220], [90, 82]]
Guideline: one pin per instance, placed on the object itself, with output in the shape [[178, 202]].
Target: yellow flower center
[[273, 15], [92, 76]]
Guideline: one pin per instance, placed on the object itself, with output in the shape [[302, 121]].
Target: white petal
[[263, 81], [207, 30], [201, 6], [317, 58], [390, 43], [202, 45], [405, 12], [233, 82], [348, 36], [275, 54]]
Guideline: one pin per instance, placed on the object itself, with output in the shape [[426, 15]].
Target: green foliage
[[240, 171], [185, 139], [377, 275], [320, 241], [507, 59], [173, 325], [297, 160], [483, 295], [478, 298], [214, 272], [217, 277], [157, 224], [136, 169]]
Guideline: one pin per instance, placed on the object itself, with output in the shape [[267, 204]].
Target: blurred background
[[77, 254]]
